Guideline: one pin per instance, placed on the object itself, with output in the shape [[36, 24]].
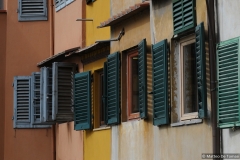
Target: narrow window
[[132, 85], [189, 94], [101, 94]]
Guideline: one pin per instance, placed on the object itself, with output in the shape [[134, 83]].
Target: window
[[228, 83], [32, 10], [183, 15], [1, 4], [59, 4], [98, 91], [134, 82], [189, 89], [132, 85], [89, 1]]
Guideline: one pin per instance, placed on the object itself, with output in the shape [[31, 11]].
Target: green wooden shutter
[[22, 102], [82, 101], [228, 83], [113, 109], [160, 83], [201, 70], [105, 91], [183, 15], [32, 10], [142, 73]]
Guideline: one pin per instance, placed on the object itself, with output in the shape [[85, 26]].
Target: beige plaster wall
[[27, 44], [118, 6], [139, 139], [67, 31]]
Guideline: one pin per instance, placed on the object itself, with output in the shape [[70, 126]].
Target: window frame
[[130, 115], [97, 89], [183, 42]]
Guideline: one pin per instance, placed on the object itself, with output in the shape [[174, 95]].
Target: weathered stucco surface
[[228, 16], [67, 31], [139, 139], [118, 6], [3, 31], [27, 44]]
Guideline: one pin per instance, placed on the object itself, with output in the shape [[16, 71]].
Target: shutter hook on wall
[[115, 39]]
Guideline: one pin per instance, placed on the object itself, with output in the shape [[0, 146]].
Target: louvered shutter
[[228, 83], [46, 95], [201, 70], [32, 10], [104, 98], [82, 101], [112, 108], [35, 102], [183, 15], [22, 98], [160, 83], [59, 4], [62, 91], [142, 73], [69, 1]]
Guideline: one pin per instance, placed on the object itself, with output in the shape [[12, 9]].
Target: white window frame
[[183, 42]]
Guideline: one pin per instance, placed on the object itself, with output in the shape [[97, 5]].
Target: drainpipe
[[213, 76]]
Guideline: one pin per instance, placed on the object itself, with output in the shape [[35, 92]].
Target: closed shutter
[[82, 101], [22, 102], [32, 10], [160, 83], [46, 95], [142, 73], [201, 70], [62, 92], [112, 108], [228, 83], [183, 15], [69, 1]]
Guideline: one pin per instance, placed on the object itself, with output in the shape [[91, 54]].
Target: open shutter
[[36, 112], [82, 101], [113, 109], [46, 96], [228, 83], [32, 10], [142, 73], [62, 91], [201, 70], [183, 15], [22, 98], [104, 98], [160, 83]]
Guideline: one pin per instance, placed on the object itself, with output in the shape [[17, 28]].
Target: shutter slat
[[228, 83], [112, 104], [160, 83]]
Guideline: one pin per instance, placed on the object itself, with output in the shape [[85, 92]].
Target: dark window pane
[[135, 97]]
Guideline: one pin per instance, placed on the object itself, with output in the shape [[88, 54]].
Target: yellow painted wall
[[99, 11], [97, 144]]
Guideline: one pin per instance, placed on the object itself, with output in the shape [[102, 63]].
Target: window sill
[[102, 128], [187, 122]]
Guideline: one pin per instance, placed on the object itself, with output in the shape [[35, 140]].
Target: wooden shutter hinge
[[12, 117], [92, 79], [214, 82], [13, 84]]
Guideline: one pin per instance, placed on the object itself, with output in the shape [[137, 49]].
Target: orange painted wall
[[68, 31], [3, 29], [69, 143], [27, 44]]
